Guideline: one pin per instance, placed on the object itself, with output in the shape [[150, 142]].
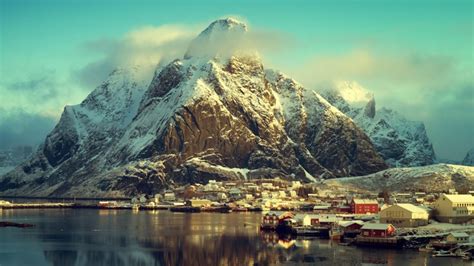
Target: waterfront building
[[198, 202], [353, 226], [454, 208], [377, 230], [363, 206], [458, 237], [404, 215]]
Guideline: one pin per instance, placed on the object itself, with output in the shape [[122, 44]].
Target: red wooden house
[[363, 206], [377, 230], [271, 219]]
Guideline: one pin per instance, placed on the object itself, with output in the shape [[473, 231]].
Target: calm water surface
[[124, 237]]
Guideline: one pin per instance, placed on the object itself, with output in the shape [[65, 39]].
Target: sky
[[416, 56]]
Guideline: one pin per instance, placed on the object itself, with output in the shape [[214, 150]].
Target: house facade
[[377, 230], [364, 206], [458, 237], [404, 215], [454, 208]]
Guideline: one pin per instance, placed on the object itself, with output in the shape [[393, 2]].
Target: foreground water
[[123, 237]]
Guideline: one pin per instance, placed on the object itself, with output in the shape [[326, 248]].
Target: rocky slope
[[214, 114], [469, 158], [399, 141], [431, 178]]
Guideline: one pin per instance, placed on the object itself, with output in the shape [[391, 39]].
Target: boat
[[12, 224], [335, 233], [312, 231], [427, 248], [240, 209], [221, 208], [443, 253]]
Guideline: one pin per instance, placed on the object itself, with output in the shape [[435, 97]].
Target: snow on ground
[[438, 176]]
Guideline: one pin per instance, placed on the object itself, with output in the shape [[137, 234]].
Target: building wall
[[365, 208], [403, 216], [374, 233], [404, 222], [449, 212]]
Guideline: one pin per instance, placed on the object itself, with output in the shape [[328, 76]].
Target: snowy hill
[[401, 142], [469, 158], [432, 178], [215, 114]]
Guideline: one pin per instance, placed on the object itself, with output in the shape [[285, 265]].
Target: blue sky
[[419, 52]]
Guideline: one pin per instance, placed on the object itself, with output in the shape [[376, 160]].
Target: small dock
[[377, 241]]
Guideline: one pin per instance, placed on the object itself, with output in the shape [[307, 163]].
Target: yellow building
[[454, 208], [404, 215]]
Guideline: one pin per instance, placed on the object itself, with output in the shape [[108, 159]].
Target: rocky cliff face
[[209, 115], [399, 141]]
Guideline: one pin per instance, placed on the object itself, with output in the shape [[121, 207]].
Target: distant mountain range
[[401, 142], [431, 178], [215, 114]]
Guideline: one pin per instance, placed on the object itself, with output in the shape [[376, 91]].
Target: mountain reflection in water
[[121, 237]]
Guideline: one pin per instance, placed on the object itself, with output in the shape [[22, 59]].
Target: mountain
[[215, 114], [431, 178], [399, 141], [13, 156], [469, 158]]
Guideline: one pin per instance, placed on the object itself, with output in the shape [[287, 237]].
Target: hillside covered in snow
[[215, 114], [401, 142], [431, 178]]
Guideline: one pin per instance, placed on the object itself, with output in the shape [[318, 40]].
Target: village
[[439, 223]]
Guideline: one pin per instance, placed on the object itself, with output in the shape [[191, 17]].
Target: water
[[124, 237]]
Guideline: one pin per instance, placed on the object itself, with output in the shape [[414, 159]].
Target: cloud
[[149, 46], [368, 65], [43, 93], [18, 127], [146, 46]]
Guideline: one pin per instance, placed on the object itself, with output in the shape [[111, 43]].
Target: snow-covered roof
[[375, 226], [410, 207], [348, 223], [459, 234], [365, 201], [459, 198]]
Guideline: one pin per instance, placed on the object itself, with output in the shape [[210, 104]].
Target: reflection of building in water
[[275, 240]]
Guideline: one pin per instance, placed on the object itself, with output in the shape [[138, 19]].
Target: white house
[[454, 208]]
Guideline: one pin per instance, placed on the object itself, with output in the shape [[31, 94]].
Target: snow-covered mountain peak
[[221, 39], [353, 93], [469, 158], [226, 24]]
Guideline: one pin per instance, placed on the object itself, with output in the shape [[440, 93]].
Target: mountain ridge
[[206, 116]]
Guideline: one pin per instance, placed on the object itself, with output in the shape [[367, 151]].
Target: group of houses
[[399, 209]]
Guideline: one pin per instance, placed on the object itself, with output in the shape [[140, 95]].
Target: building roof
[[349, 223], [365, 201], [459, 234], [375, 226], [460, 198], [410, 207]]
